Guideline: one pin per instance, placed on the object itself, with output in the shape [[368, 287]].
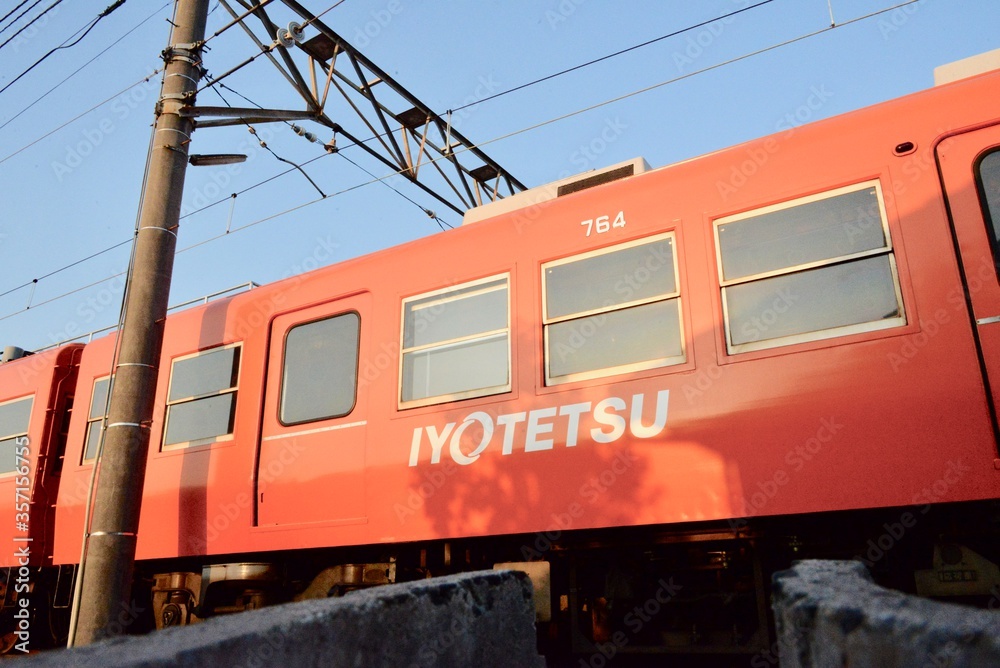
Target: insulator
[[285, 38]]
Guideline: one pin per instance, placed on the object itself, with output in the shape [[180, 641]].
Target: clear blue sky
[[75, 191]]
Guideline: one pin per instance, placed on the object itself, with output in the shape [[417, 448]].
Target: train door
[[970, 167], [311, 466]]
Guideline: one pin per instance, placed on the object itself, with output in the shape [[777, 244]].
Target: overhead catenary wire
[[620, 52], [565, 116], [68, 266], [267, 49], [500, 138], [316, 17], [430, 214], [252, 187], [129, 240], [236, 20], [374, 138], [67, 44], [530, 128], [709, 68], [49, 274], [554, 75], [263, 144], [239, 18]]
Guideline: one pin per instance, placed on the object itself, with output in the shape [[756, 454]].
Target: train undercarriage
[[617, 596]]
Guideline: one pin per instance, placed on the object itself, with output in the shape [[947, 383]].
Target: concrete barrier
[[480, 619], [831, 613]]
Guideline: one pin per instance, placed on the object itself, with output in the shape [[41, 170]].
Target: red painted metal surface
[[894, 417], [958, 153], [27, 513]]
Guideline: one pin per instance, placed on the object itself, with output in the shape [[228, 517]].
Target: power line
[[233, 70], [484, 143], [127, 241], [235, 21], [564, 116], [249, 188], [17, 18], [696, 72], [80, 115], [144, 176], [65, 45], [63, 295], [316, 17], [580, 66], [612, 55], [29, 23], [77, 70], [212, 82], [390, 103], [430, 214], [68, 266], [260, 141], [19, 5]]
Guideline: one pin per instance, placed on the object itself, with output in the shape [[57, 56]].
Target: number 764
[[602, 224]]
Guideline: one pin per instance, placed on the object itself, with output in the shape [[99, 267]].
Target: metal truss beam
[[405, 135]]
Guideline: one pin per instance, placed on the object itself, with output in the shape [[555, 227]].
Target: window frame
[[19, 434], [482, 336], [621, 368], [991, 218], [888, 249], [164, 447], [284, 360], [101, 418]]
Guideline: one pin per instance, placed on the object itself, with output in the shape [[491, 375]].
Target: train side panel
[[890, 417], [36, 394], [740, 420], [81, 445], [182, 481]]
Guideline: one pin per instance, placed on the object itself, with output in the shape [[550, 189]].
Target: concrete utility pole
[[107, 571]]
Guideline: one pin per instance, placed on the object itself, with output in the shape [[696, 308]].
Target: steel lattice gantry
[[408, 137]]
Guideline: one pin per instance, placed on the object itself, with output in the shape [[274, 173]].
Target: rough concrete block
[[479, 619], [831, 613]]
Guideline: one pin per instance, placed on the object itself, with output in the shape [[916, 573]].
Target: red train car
[[36, 400], [647, 388]]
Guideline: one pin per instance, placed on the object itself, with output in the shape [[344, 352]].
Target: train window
[[95, 419], [201, 401], [320, 369], [988, 181], [614, 310], [456, 343], [14, 417], [808, 269]]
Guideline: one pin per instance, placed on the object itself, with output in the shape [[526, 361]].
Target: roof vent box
[[556, 189], [967, 67]]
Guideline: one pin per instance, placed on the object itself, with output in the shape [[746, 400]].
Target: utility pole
[[107, 570]]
